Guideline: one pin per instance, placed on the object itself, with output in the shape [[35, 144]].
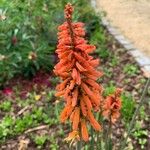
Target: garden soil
[[132, 17]]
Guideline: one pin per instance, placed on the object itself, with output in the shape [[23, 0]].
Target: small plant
[[128, 107], [143, 115], [130, 69], [5, 124], [114, 61], [40, 140], [140, 134], [5, 106], [109, 90], [53, 143]]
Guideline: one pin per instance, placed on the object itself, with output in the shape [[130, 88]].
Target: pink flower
[[7, 91]]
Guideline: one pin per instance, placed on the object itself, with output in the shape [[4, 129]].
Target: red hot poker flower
[[77, 71], [112, 106]]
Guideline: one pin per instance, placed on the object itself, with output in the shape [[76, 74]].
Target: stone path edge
[[142, 60]]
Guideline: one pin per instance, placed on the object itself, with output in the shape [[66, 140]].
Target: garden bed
[[29, 112], [37, 108]]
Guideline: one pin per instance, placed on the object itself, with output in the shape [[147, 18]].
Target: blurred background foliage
[[28, 33]]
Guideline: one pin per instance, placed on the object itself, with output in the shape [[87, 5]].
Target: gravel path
[[132, 17]]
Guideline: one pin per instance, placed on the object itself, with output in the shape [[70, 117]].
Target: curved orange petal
[[76, 118], [90, 93], [74, 97], [83, 108], [93, 84], [87, 102], [80, 68], [84, 131], [93, 122]]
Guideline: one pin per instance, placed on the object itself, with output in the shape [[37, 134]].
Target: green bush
[[28, 33]]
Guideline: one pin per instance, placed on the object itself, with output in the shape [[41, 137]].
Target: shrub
[[28, 34]]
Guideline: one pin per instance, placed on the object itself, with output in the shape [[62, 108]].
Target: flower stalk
[[79, 88]]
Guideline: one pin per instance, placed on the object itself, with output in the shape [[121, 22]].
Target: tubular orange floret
[[80, 68], [87, 102], [77, 71], [61, 93], [72, 84], [75, 97], [62, 85], [76, 118], [74, 74], [84, 131], [92, 83], [89, 92], [63, 115], [93, 122], [83, 108]]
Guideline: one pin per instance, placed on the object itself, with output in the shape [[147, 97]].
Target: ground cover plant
[[29, 111]]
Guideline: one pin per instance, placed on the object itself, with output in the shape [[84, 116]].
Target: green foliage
[[143, 114], [40, 140], [53, 145], [109, 90], [5, 126], [5, 106], [128, 107], [28, 35], [114, 61], [130, 69], [38, 115], [140, 134], [99, 39]]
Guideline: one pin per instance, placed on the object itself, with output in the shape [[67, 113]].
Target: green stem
[[92, 139], [108, 138], [79, 145], [99, 134], [123, 143]]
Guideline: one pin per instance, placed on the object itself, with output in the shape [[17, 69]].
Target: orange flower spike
[[112, 106], [84, 131], [76, 118], [76, 69]]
